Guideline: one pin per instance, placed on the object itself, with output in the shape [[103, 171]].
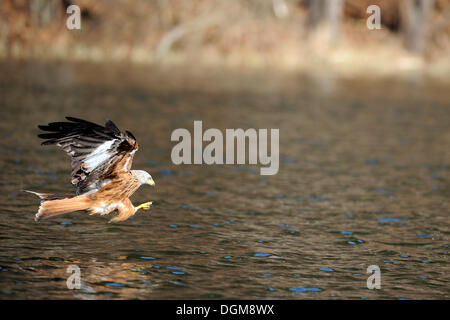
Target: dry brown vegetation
[[238, 33]]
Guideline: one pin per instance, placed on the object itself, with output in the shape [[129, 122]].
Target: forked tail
[[52, 205]]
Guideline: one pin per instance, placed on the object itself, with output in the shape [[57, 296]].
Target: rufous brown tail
[[53, 205]]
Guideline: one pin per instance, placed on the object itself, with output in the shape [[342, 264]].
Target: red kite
[[101, 162]]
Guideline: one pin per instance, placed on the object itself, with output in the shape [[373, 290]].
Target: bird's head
[[144, 177]]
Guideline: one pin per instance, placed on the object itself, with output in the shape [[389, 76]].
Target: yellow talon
[[144, 206]]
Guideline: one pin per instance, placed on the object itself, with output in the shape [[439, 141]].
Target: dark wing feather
[[97, 152]]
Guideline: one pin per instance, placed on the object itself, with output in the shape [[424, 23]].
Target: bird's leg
[[144, 206]]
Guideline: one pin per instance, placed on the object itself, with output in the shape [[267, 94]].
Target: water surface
[[363, 180]]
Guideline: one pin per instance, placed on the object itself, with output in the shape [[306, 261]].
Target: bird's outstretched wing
[[98, 153]]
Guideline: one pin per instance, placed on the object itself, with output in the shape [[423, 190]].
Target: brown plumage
[[101, 162]]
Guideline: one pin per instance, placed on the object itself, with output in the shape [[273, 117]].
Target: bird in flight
[[101, 170]]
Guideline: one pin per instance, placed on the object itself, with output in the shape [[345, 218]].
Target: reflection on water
[[363, 180]]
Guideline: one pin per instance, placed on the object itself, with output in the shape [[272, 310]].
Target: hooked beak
[[151, 182]]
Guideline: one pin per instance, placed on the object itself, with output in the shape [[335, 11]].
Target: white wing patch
[[105, 209], [128, 160], [99, 155]]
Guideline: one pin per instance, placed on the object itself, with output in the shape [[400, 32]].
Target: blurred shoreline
[[221, 34], [344, 62]]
